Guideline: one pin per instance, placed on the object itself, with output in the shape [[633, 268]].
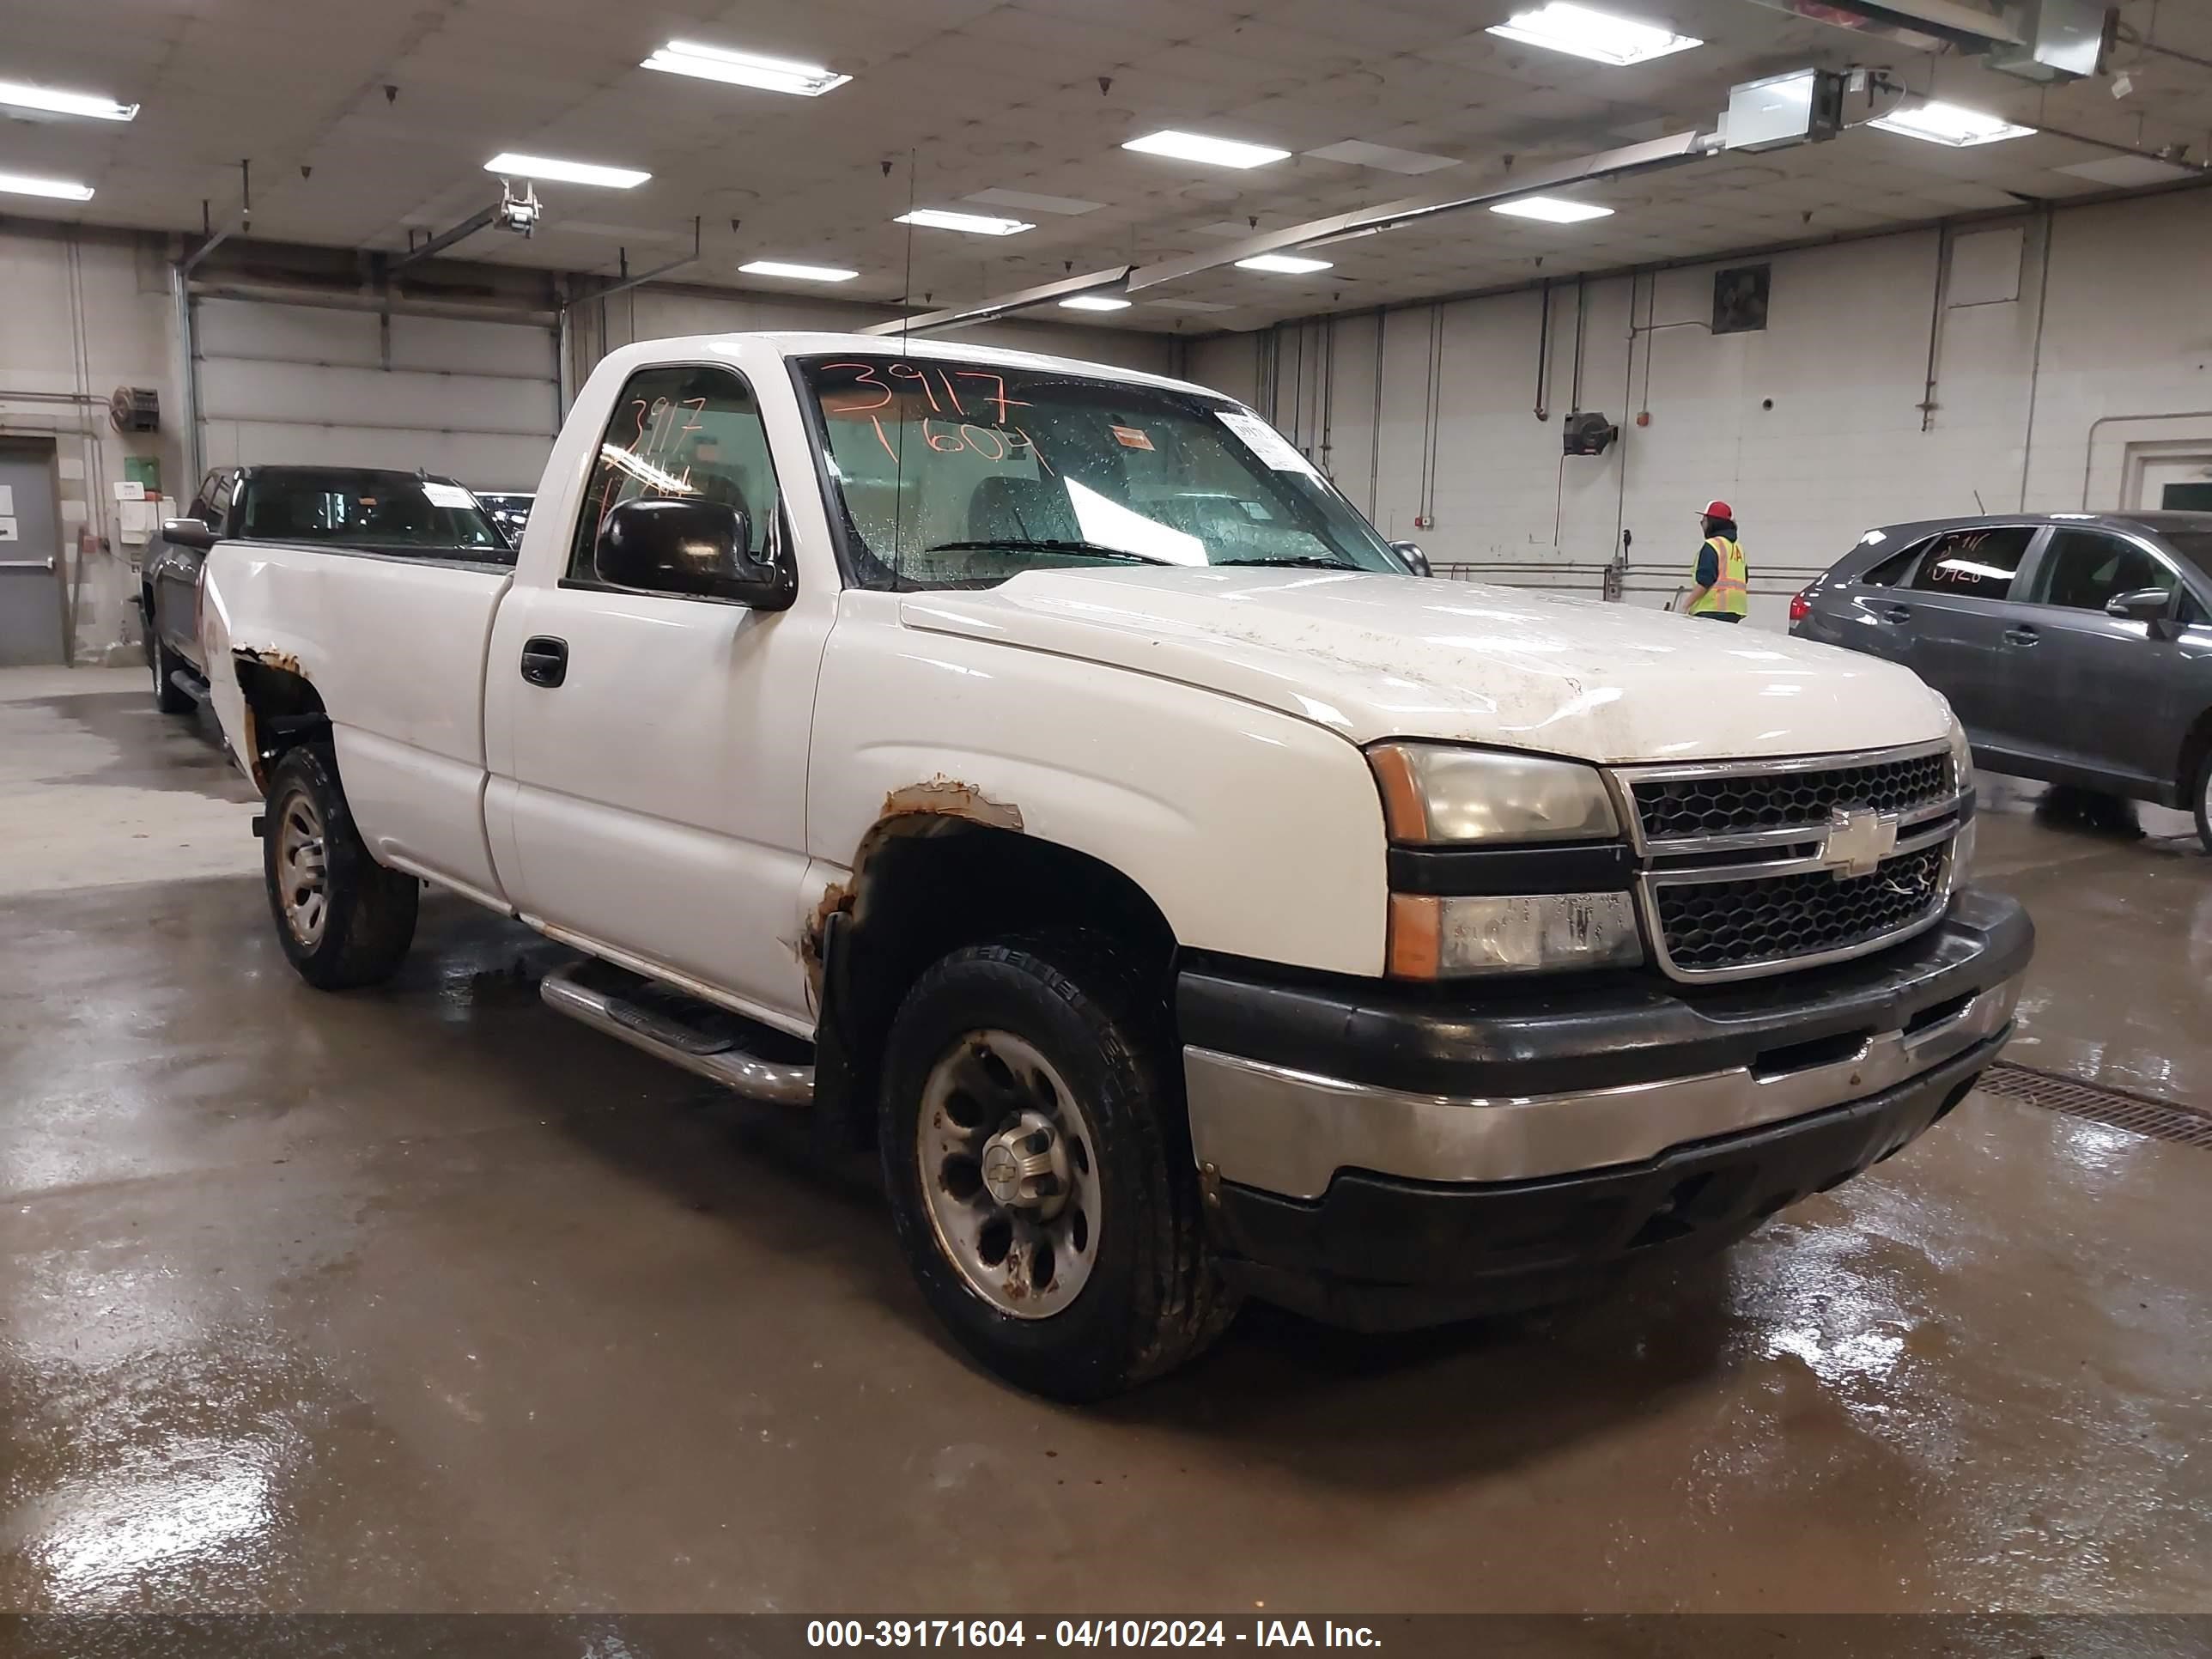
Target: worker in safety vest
[[1721, 589]]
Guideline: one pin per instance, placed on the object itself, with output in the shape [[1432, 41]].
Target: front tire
[[1040, 1170], [345, 920]]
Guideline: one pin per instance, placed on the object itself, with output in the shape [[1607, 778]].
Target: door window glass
[[2084, 569], [1892, 569], [1978, 564], [691, 432]]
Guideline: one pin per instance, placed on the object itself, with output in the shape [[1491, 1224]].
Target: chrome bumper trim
[[1289, 1133]]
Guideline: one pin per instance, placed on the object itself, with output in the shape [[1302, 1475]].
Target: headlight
[[1553, 932], [1435, 792], [1962, 757]]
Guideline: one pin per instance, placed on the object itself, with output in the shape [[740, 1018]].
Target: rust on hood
[[934, 806]]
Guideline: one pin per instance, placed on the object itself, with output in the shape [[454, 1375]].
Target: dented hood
[[1384, 656]]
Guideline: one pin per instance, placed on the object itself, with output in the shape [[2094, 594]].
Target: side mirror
[[187, 532], [2145, 604], [663, 544], [1412, 554]]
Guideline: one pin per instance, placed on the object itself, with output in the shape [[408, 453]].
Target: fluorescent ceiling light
[[17, 95], [797, 273], [1552, 210], [1214, 152], [1093, 303], [744, 68], [1288, 264], [1950, 124], [976, 224], [1597, 35], [573, 173], [15, 184]]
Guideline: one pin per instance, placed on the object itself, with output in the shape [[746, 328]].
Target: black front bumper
[[1379, 1252]]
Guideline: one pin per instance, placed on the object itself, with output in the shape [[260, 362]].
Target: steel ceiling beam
[[1670, 151], [1020, 300], [1922, 25]]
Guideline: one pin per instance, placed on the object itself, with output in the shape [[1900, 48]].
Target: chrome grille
[[1761, 866], [1734, 803], [1717, 926]]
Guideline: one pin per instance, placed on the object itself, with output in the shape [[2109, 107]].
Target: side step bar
[[701, 1038]]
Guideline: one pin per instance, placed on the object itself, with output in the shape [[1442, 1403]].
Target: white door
[[2174, 484], [657, 801], [478, 402]]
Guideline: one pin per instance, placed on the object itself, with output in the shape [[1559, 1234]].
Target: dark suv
[[2075, 647], [364, 509]]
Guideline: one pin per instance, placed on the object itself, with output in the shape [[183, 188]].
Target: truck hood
[[1377, 656]]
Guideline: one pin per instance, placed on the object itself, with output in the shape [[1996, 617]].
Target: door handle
[[544, 659], [1897, 613], [2022, 635]]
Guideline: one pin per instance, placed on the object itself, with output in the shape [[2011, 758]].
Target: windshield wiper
[[1010, 545], [1300, 562]]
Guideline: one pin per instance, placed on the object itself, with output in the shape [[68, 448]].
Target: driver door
[[648, 749]]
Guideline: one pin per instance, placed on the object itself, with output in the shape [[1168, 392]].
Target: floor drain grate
[[2161, 1120]]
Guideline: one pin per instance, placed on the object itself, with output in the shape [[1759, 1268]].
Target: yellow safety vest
[[1730, 594]]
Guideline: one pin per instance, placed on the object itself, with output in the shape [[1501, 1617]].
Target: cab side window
[[1977, 564], [2082, 570], [692, 432]]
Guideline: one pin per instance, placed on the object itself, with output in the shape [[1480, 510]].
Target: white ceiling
[[975, 96]]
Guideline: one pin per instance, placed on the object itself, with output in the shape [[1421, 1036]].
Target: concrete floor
[[426, 1299]]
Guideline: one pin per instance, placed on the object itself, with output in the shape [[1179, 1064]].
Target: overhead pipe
[[446, 238], [629, 282], [1544, 357]]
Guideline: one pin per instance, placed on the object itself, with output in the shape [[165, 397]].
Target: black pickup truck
[[362, 508]]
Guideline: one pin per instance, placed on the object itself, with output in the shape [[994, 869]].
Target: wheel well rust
[[282, 705], [944, 866]]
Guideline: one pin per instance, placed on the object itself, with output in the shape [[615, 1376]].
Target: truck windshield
[[955, 474], [352, 507]]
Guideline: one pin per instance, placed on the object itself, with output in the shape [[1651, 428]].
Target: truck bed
[[394, 645]]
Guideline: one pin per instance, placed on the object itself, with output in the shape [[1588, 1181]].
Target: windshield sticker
[[1131, 437], [446, 495], [1264, 441]]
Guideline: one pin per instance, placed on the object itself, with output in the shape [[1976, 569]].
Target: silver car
[[2075, 646]]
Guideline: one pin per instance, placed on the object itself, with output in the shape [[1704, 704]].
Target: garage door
[[476, 401]]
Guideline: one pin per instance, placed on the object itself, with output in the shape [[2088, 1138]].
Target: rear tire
[[345, 920], [1044, 1064], [167, 697]]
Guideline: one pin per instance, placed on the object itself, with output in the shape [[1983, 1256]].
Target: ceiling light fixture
[[1093, 303], [1597, 35], [1553, 210], [16, 184], [1214, 152], [797, 273], [976, 224], [16, 95], [1950, 125], [1286, 264], [572, 173], [745, 69]]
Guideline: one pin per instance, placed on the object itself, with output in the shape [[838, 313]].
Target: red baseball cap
[[1717, 510]]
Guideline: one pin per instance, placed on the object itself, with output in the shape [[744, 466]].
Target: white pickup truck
[[1041, 770]]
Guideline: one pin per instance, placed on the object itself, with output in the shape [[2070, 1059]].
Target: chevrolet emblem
[[1859, 839]]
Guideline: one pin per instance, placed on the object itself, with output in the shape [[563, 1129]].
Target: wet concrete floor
[[425, 1299]]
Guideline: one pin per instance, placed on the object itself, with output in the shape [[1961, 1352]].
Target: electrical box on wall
[[1588, 434]]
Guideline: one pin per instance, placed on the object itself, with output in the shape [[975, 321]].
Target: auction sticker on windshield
[[1263, 441]]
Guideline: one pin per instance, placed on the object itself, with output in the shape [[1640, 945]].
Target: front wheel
[[1040, 1171], [344, 920]]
